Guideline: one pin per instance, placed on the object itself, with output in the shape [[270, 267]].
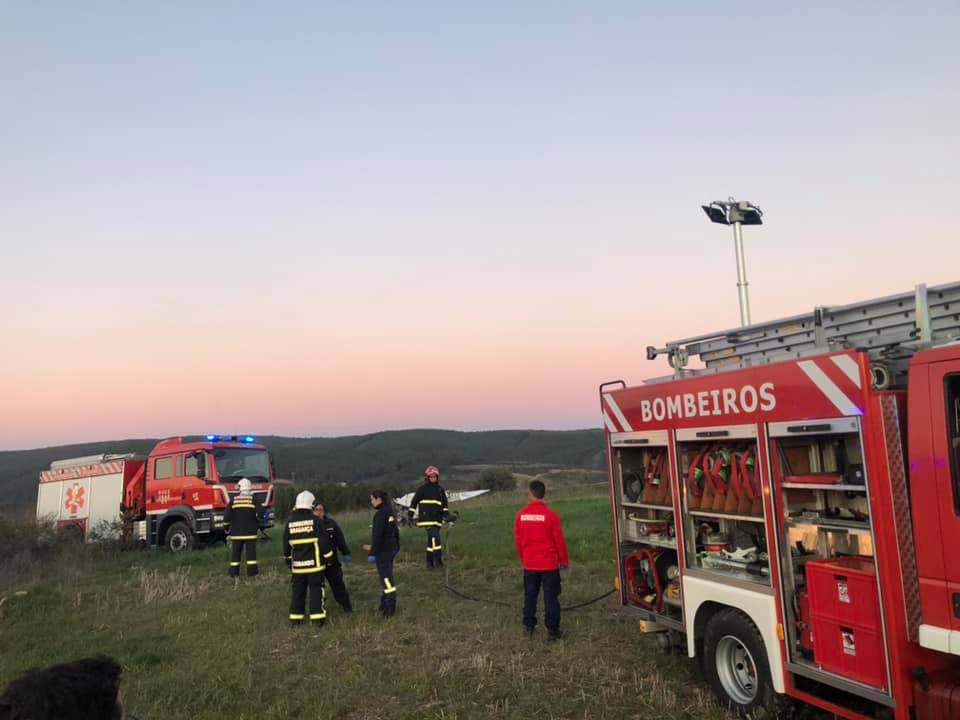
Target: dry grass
[[196, 644], [32, 549]]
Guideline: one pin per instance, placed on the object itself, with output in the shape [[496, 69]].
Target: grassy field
[[195, 645]]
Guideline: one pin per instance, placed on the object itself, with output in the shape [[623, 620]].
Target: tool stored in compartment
[[648, 573]]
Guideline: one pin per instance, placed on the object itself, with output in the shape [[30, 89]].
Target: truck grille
[[259, 496]]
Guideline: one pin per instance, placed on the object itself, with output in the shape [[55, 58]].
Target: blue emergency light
[[231, 438]]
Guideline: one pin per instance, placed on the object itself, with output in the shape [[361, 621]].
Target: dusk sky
[[333, 218]]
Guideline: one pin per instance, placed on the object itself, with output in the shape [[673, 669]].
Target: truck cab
[[188, 485], [934, 459]]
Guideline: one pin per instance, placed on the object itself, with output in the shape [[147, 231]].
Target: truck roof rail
[[891, 329], [90, 460]]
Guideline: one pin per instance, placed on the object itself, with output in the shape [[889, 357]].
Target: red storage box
[[844, 589], [846, 619], [852, 652]]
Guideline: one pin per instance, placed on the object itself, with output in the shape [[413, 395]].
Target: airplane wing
[[465, 495], [404, 501]]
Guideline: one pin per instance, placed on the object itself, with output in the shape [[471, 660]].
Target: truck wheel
[[735, 664], [179, 537]]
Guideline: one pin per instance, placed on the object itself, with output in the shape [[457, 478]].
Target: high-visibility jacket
[[242, 516], [430, 501], [305, 543], [386, 534], [538, 536]]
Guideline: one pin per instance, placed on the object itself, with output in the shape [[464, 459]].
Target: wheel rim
[[178, 541], [736, 670]]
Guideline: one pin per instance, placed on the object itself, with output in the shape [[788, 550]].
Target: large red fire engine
[[175, 497], [788, 509]]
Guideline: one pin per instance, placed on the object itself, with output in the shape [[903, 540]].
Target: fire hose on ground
[[501, 603]]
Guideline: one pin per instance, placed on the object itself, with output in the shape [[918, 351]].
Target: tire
[[179, 537], [735, 664]]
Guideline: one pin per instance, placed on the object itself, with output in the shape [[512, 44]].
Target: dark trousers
[[236, 552], [388, 598], [532, 582], [334, 575], [434, 548], [298, 597]]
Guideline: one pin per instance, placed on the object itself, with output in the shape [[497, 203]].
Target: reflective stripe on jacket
[[305, 543], [430, 501], [242, 516]]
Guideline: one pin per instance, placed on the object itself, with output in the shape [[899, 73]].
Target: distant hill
[[395, 458]]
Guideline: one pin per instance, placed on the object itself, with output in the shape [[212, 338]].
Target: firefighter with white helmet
[[430, 503], [242, 516], [307, 550]]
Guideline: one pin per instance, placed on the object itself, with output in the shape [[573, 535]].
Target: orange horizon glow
[[462, 219]]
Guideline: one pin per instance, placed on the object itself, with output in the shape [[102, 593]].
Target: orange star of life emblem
[[75, 499]]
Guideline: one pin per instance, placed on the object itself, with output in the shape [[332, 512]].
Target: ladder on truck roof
[[891, 329]]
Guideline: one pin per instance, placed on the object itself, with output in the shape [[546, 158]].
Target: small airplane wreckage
[[408, 516]]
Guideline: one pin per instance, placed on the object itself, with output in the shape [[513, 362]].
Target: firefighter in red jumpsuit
[[538, 535]]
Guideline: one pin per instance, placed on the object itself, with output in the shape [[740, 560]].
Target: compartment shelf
[[668, 544], [828, 524], [673, 603], [818, 486], [671, 622], [647, 506], [726, 516]]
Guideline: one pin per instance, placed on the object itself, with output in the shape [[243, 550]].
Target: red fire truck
[[174, 497], [787, 509]]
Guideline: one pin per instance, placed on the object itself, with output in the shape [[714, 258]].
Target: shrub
[[334, 496], [495, 479], [31, 548]]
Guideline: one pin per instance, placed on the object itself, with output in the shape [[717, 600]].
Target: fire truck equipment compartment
[[846, 618]]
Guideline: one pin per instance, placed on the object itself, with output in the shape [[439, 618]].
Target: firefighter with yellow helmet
[[430, 504]]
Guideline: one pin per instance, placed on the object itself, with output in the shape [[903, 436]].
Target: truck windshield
[[236, 463]]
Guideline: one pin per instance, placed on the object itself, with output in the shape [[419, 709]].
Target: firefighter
[[334, 571], [384, 546], [242, 516], [307, 550], [430, 502], [538, 535]]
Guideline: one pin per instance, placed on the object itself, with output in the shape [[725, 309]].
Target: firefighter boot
[[430, 564], [554, 634]]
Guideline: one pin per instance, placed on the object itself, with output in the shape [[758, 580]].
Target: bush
[[495, 479], [335, 497], [31, 548]]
